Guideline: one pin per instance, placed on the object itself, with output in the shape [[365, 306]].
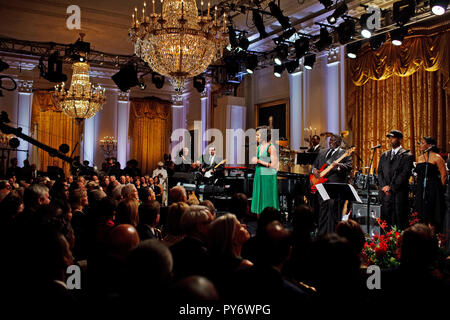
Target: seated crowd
[[134, 253]]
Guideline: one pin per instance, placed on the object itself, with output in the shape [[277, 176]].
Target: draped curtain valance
[[426, 48]]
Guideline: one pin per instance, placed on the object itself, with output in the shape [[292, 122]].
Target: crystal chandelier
[[108, 146], [82, 100], [178, 43]]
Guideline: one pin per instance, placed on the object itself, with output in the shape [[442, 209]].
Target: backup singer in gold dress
[[265, 189]]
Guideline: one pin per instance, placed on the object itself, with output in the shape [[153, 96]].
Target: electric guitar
[[324, 170], [208, 174]]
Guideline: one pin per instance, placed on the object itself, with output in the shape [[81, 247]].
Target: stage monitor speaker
[[359, 214]]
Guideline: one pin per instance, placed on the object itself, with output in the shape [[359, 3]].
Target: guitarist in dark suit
[[210, 161], [394, 171], [329, 212]]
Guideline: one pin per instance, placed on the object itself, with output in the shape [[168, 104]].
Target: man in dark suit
[[329, 212], [394, 171], [210, 161], [315, 144]]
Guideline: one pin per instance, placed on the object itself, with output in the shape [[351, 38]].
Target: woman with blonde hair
[[226, 237], [127, 212]]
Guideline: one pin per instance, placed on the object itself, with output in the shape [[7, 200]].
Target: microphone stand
[[425, 179], [368, 192]]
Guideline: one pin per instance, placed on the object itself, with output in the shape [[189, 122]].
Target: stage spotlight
[[278, 14], [64, 148], [232, 36], [282, 53], [339, 12], [292, 65], [251, 63], [199, 83], [278, 71], [3, 65], [309, 61], [403, 11], [325, 39], [14, 143], [377, 41], [345, 31], [142, 85], [259, 24], [438, 7], [301, 47], [397, 36], [352, 49], [288, 33], [244, 43], [326, 3], [158, 80], [126, 77], [365, 31], [231, 65]]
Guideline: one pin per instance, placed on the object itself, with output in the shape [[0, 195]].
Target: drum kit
[[287, 161], [360, 180]]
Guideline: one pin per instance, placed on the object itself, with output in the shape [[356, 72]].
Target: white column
[[24, 108], [333, 94], [295, 105], [89, 140], [123, 114], [204, 101]]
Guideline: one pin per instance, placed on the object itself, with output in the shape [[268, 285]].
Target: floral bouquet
[[383, 250]]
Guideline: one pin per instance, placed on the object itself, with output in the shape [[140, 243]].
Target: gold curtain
[[53, 129], [150, 131], [391, 89]]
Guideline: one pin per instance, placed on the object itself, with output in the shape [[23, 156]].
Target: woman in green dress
[[265, 189]]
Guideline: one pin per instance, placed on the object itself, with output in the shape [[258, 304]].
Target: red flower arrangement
[[383, 250]]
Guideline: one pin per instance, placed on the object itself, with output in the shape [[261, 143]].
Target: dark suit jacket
[[338, 174], [208, 166], [395, 173], [314, 150]]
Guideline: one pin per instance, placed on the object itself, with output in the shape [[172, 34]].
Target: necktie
[[392, 154], [329, 154]]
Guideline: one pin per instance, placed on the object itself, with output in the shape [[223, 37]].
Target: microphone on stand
[[376, 147], [429, 149]]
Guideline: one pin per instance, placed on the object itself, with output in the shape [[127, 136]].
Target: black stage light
[[244, 43], [326, 3], [64, 148], [309, 61], [251, 63], [142, 85], [292, 65], [54, 68], [14, 142], [278, 14], [325, 39], [403, 11], [341, 9], [352, 49], [438, 7], [288, 33], [259, 24], [3, 65], [232, 36], [158, 80], [282, 53], [301, 47], [199, 83], [397, 36], [365, 31], [345, 31], [232, 65], [126, 77], [278, 71], [377, 41]]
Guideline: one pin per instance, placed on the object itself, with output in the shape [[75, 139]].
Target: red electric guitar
[[324, 170]]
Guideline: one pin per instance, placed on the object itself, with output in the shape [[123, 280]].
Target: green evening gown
[[265, 189]]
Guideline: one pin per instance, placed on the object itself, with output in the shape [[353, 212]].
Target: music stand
[[306, 157], [339, 192]]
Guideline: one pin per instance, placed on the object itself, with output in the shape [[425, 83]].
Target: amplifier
[[359, 214]]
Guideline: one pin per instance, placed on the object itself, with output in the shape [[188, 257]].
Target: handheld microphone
[[376, 147]]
